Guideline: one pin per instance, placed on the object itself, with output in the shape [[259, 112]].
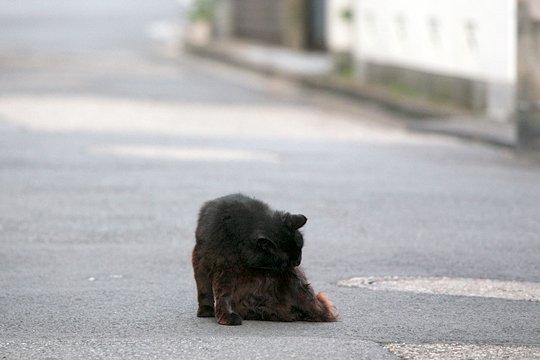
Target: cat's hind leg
[[327, 310], [308, 306], [311, 308]]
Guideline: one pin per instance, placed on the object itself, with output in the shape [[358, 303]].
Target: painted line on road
[[462, 351], [185, 153], [164, 30], [511, 290]]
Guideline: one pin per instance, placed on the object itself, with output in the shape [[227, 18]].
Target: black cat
[[246, 263]]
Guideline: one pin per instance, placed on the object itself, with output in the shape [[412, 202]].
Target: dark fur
[[246, 265]]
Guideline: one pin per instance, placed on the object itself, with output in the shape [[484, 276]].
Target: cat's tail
[[330, 312]]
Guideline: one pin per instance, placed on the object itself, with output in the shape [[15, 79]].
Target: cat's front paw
[[230, 319], [205, 311]]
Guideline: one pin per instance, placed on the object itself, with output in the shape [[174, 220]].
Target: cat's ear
[[265, 243], [298, 221], [294, 221]]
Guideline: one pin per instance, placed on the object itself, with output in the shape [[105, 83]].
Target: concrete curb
[[470, 129]]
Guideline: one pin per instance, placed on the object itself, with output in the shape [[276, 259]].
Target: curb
[[504, 138]]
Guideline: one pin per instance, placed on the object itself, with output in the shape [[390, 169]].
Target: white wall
[[469, 38]]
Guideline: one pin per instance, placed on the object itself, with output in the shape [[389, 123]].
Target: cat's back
[[234, 214], [233, 205]]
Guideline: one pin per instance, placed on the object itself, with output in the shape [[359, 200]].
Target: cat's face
[[279, 244]]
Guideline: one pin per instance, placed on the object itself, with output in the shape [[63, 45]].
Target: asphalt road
[[111, 139]]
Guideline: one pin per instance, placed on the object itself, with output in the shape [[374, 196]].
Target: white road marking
[[211, 120], [166, 31], [185, 153], [462, 351], [511, 290]]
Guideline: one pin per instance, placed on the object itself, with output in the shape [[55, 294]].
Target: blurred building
[[296, 24], [528, 82], [452, 51], [455, 50]]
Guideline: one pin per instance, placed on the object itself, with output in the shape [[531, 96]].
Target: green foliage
[[203, 10], [345, 70], [404, 90], [347, 14], [411, 92], [344, 66]]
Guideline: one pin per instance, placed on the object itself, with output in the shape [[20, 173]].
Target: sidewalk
[[315, 70]]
